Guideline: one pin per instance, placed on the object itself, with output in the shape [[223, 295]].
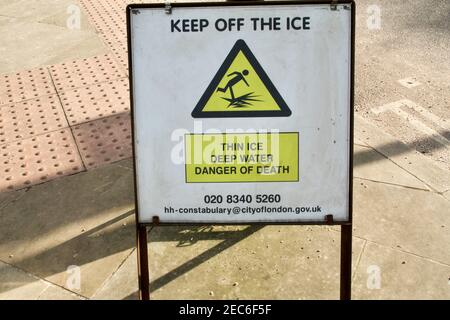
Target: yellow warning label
[[242, 157], [241, 88]]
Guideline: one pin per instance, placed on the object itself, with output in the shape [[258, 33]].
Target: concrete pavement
[[36, 33], [401, 230]]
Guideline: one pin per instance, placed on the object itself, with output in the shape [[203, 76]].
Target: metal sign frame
[[346, 226]]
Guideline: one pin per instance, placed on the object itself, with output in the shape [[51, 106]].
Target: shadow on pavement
[[394, 149], [114, 234]]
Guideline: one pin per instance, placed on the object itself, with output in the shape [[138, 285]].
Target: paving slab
[[16, 284], [38, 10], [96, 101], [11, 196], [24, 85], [44, 44], [31, 118], [371, 165], [108, 18], [38, 159], [37, 33], [67, 14], [412, 161], [120, 52], [123, 284], [88, 224], [78, 73], [402, 276], [126, 163], [53, 292], [105, 140], [236, 262], [414, 221]]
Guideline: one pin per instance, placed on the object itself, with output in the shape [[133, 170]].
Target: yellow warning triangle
[[241, 88]]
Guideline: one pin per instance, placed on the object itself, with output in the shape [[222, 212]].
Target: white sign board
[[242, 113]]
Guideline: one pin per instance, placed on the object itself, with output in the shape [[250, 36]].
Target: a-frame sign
[[242, 113]]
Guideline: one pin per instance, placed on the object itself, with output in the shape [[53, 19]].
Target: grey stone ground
[[401, 227], [35, 33], [401, 196]]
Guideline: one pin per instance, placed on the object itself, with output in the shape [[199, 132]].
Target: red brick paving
[[105, 140], [66, 118], [83, 72], [96, 101], [30, 118], [38, 159], [25, 85]]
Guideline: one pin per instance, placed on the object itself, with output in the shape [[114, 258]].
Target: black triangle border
[[240, 45]]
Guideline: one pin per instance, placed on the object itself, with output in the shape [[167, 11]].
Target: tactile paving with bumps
[[35, 141], [105, 14], [25, 85], [38, 159], [119, 50], [109, 19], [84, 72], [30, 118], [105, 140], [96, 101]]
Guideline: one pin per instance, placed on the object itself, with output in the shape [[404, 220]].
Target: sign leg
[[346, 261], [142, 256]]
